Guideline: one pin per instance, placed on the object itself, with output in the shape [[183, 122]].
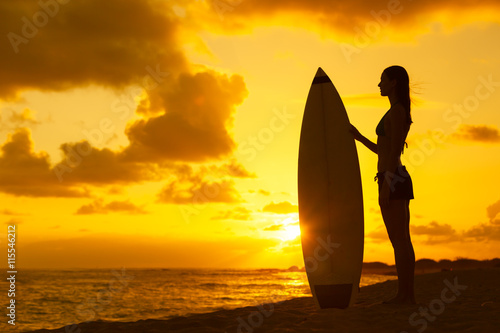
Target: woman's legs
[[397, 221], [411, 272]]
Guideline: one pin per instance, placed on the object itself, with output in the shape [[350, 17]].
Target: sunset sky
[[165, 133]]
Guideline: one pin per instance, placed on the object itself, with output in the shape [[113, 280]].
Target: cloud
[[238, 213], [379, 235], [433, 229], [275, 227], [292, 246], [14, 221], [436, 233], [185, 117], [200, 193], [26, 116], [197, 112], [194, 127], [192, 187], [493, 211], [484, 232], [86, 42], [83, 164], [226, 169], [284, 207], [10, 212], [17, 120], [264, 192], [432, 233], [487, 231], [354, 17], [477, 133], [98, 207], [26, 173], [234, 169]]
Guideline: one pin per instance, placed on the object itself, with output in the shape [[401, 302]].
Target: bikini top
[[380, 130]]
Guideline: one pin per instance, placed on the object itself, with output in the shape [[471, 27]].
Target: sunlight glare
[[291, 231]]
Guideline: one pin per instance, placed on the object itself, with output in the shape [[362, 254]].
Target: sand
[[453, 301]]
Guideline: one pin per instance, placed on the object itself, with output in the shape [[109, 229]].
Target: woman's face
[[386, 85]]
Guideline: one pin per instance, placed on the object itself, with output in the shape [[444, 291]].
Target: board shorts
[[401, 185]]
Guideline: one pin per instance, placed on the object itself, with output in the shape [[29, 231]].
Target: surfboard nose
[[321, 77], [320, 72]]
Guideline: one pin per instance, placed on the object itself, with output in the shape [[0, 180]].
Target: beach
[[449, 301]]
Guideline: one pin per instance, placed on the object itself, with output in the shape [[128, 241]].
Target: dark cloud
[[83, 164], [99, 207], [284, 207], [186, 117], [477, 133], [109, 43], [493, 211], [26, 173], [198, 114], [348, 17]]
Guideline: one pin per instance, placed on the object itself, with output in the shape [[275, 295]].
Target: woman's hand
[[355, 133], [358, 136]]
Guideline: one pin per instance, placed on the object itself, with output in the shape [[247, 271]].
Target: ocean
[[55, 298]]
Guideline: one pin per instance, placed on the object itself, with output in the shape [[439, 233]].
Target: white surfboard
[[330, 198]]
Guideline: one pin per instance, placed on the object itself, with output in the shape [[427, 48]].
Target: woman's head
[[396, 78]]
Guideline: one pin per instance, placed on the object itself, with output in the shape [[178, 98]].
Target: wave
[[210, 285]]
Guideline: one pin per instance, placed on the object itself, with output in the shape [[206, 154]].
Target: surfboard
[[330, 198]]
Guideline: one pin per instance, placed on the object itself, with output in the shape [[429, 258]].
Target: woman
[[394, 182]]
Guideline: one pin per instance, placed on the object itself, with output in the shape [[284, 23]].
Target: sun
[[290, 231]]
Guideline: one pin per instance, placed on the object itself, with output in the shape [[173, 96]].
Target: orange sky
[[165, 133]]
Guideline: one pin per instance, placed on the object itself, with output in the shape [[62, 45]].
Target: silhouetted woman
[[394, 182]]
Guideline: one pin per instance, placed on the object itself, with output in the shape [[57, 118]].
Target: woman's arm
[[358, 136]]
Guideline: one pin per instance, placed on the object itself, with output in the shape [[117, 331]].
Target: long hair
[[399, 74]]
